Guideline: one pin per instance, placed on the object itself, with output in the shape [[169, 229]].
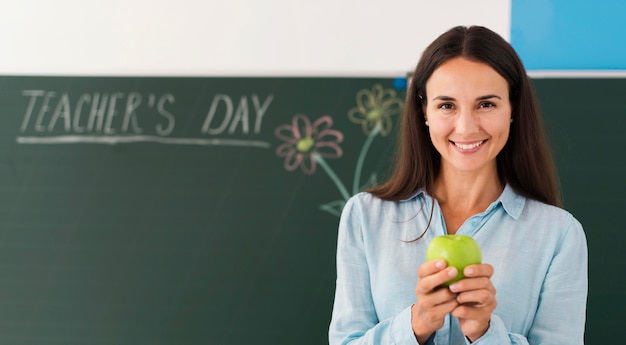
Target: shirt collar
[[418, 193], [512, 202]]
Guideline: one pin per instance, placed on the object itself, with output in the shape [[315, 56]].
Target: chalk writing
[[118, 117], [239, 116], [93, 112]]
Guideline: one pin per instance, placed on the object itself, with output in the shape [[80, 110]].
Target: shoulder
[[354, 221], [369, 205], [538, 221], [528, 210], [551, 218], [361, 205], [544, 211], [364, 199], [382, 223]]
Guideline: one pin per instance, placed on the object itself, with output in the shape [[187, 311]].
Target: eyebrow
[[481, 98]]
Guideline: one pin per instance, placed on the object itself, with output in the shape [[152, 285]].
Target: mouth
[[468, 146]]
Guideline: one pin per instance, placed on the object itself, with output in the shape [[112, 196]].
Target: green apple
[[459, 251]]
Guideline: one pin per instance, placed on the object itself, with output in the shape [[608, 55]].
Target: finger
[[480, 270], [476, 298], [433, 281], [469, 284], [433, 314], [474, 310], [444, 308], [464, 311], [430, 267], [436, 298]]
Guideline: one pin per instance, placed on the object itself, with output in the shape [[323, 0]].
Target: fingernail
[[440, 264], [469, 271], [453, 287], [452, 272]]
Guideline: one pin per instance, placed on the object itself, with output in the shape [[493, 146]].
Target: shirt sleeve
[[497, 334], [354, 318], [560, 316]]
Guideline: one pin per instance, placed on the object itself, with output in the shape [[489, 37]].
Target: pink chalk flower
[[305, 143]]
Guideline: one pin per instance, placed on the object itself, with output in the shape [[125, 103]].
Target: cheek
[[502, 133], [438, 135]]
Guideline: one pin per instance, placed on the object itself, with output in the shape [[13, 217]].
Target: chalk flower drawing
[[306, 144], [375, 108]]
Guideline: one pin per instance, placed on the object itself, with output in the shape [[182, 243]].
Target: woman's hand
[[476, 298], [434, 301]]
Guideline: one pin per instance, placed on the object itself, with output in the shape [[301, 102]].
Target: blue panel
[[570, 34]]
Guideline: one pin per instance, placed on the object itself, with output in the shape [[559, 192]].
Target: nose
[[467, 121]]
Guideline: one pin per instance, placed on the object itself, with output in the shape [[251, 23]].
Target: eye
[[486, 105], [446, 106]]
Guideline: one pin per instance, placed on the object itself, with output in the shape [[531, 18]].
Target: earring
[[511, 120], [426, 123]]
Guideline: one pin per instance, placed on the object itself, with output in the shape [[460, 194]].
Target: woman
[[472, 159]]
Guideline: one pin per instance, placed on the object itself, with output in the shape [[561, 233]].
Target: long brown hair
[[525, 162]]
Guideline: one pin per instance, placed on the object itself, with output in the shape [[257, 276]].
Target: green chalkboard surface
[[180, 210], [161, 210], [586, 119]]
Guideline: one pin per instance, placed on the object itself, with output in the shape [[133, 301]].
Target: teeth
[[468, 146]]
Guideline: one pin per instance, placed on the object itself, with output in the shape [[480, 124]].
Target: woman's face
[[469, 115]]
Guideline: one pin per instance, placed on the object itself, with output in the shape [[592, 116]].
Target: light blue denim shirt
[[539, 255]]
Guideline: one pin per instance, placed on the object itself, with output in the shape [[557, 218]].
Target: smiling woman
[[469, 116], [463, 167]]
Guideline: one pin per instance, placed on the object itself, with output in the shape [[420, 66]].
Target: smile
[[469, 146]]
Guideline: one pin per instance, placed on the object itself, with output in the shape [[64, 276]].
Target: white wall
[[230, 37]]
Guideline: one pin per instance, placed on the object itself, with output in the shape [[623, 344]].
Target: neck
[[468, 191], [462, 195]]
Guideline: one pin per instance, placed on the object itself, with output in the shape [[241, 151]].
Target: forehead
[[465, 77]]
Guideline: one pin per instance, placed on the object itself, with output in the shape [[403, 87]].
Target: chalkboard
[[160, 210], [586, 119], [177, 210]]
